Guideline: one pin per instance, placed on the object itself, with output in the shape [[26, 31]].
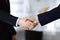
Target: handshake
[[28, 23]]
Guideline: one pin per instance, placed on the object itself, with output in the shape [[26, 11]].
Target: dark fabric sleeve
[[6, 17], [12, 31], [49, 16]]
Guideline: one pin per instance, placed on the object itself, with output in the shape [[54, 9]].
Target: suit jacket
[[5, 13], [49, 16]]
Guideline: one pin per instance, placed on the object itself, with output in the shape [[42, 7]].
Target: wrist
[[17, 22]]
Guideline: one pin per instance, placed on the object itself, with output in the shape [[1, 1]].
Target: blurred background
[[51, 31]]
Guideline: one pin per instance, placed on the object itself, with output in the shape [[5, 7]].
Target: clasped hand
[[28, 23]]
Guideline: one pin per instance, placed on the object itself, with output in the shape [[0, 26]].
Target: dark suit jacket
[[49, 16], [7, 21], [5, 13]]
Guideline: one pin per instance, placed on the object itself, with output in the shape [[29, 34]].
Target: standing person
[[7, 21], [35, 6]]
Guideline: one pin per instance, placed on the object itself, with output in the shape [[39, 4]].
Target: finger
[[31, 25], [33, 20], [34, 23], [25, 27], [30, 18]]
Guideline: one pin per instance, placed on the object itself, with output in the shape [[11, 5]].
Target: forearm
[[6, 17], [49, 16]]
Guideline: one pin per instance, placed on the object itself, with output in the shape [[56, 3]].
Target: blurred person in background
[[46, 10]]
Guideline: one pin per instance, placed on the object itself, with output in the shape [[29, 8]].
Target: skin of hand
[[14, 37], [43, 10], [28, 23]]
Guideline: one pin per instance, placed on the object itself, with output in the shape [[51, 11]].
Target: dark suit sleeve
[[49, 16], [7, 18]]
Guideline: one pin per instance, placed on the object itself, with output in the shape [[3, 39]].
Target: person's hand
[[28, 23], [43, 10]]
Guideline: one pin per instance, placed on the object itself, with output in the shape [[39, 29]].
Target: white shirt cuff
[[17, 22]]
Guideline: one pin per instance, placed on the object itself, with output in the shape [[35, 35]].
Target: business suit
[[6, 21], [5, 13], [9, 21], [49, 16]]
